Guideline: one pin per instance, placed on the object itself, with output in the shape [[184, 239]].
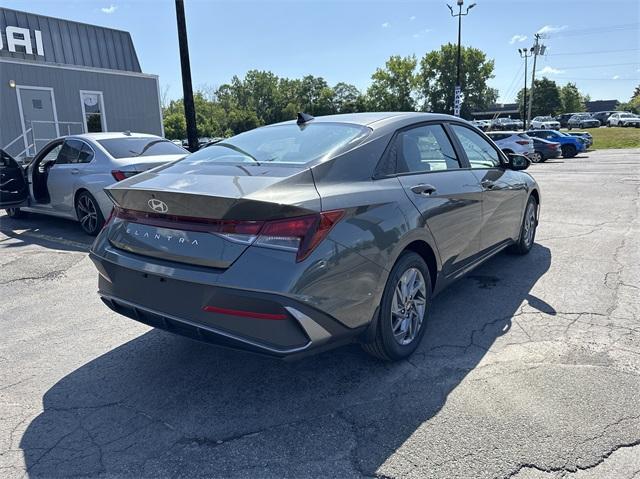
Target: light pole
[[187, 89], [524, 53], [458, 90]]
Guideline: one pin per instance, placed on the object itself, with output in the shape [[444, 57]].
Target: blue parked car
[[570, 145]]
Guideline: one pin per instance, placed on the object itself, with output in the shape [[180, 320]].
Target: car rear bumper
[[261, 322]]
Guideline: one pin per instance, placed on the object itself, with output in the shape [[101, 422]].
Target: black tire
[[569, 151], [527, 229], [89, 214], [385, 346], [569, 127], [15, 213]]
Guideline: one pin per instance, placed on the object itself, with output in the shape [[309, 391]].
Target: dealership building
[[59, 77]]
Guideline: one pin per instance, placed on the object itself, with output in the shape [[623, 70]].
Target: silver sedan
[[67, 177]]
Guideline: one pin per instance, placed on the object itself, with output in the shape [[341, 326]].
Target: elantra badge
[[158, 205]]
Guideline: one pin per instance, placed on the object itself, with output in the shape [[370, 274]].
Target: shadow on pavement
[[162, 405], [42, 230]]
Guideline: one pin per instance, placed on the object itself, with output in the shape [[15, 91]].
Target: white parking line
[[17, 234]]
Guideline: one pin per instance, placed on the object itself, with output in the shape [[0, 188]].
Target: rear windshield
[[140, 146], [289, 143]]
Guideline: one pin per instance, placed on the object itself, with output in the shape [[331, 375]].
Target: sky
[[595, 44]]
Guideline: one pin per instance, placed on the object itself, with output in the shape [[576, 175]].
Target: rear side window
[[479, 151], [86, 154], [70, 152], [426, 148], [132, 147]]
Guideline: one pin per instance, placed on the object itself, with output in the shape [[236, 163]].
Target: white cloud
[[110, 9], [550, 71], [412, 18], [552, 28], [615, 77], [416, 35], [517, 38], [386, 25]]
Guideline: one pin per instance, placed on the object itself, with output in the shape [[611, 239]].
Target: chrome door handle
[[75, 171], [487, 184], [424, 190]]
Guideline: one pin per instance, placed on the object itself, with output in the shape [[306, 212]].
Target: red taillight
[[119, 175], [301, 234], [244, 314], [112, 214], [522, 142]]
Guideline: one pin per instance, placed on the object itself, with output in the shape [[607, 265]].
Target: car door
[[70, 164], [446, 194], [14, 190], [503, 190]]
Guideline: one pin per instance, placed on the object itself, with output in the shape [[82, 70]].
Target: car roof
[[505, 132], [110, 135], [371, 118]]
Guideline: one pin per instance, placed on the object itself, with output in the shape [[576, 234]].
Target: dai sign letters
[[21, 37]]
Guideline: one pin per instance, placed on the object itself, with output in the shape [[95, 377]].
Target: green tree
[[437, 80], [346, 98], [633, 104], [546, 99], [571, 98], [393, 87]]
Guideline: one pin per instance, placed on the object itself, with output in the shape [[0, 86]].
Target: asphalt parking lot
[[529, 369]]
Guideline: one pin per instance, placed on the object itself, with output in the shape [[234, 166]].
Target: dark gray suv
[[304, 235]]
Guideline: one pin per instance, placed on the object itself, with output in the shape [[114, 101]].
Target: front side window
[[134, 146], [92, 109], [479, 151], [425, 148], [287, 144]]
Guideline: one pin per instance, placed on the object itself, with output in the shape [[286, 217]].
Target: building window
[[93, 111]]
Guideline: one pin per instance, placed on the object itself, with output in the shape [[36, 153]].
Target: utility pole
[[537, 50], [187, 89], [524, 53], [458, 91]]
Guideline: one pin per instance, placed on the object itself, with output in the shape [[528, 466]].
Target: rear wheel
[[569, 151], [536, 157], [403, 310], [89, 214], [15, 213], [528, 229]]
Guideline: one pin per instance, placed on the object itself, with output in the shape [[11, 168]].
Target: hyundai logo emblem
[[158, 205]]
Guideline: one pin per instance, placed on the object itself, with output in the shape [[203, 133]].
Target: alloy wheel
[[536, 157], [529, 224], [87, 214], [408, 306]]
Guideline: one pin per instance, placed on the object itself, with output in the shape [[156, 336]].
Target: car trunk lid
[[206, 214]]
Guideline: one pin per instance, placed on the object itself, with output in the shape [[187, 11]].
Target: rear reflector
[[244, 314]]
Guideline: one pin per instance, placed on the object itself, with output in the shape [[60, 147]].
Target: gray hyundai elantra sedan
[[304, 235]]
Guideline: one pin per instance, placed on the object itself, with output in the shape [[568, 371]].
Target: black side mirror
[[518, 162]]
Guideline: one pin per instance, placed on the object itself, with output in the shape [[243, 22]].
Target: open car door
[[14, 190]]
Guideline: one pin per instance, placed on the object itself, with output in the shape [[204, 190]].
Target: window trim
[[103, 115]]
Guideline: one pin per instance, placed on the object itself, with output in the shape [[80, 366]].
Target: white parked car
[[624, 119], [513, 142], [484, 125], [544, 123], [68, 175]]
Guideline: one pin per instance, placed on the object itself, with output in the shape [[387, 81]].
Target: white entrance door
[[38, 113]]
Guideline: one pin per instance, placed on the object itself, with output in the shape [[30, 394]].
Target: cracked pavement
[[529, 368]]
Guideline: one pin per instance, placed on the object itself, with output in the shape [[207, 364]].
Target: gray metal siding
[[72, 43], [131, 101]]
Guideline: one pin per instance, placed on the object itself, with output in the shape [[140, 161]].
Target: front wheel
[[569, 151], [403, 310], [15, 213], [528, 229], [89, 214]]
